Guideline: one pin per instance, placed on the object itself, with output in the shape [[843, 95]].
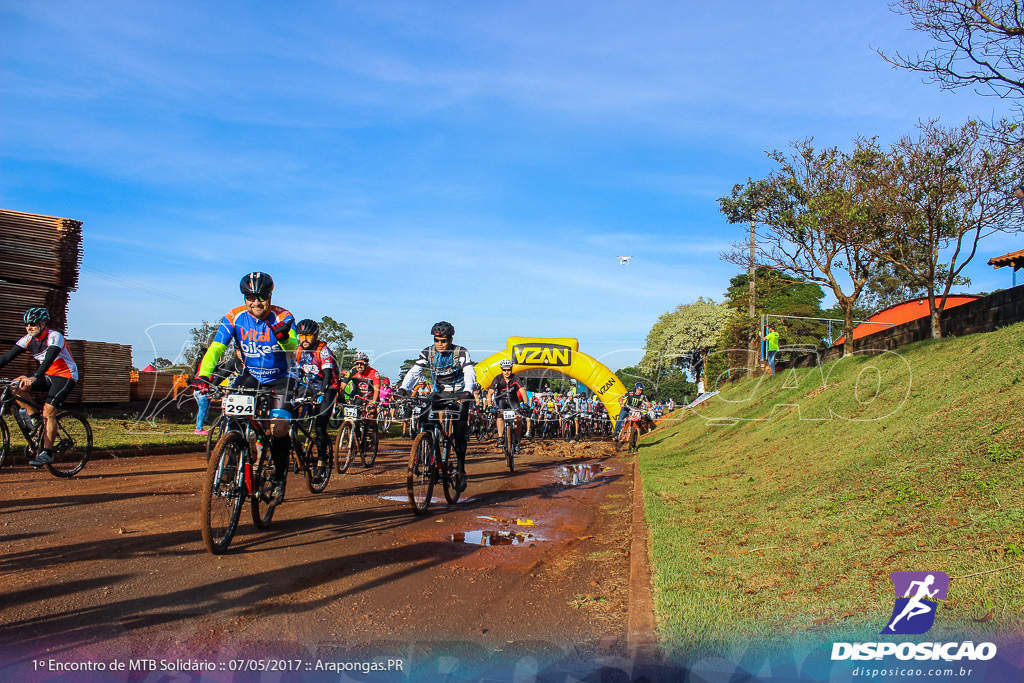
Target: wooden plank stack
[[40, 258], [104, 370], [155, 385]]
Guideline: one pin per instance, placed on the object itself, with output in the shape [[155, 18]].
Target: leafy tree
[[162, 363], [816, 219], [979, 44], [683, 337], [671, 383], [336, 335], [947, 189], [199, 339]]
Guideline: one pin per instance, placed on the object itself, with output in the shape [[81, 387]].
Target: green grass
[[778, 511]]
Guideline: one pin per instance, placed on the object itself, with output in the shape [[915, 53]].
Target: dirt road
[[524, 575]]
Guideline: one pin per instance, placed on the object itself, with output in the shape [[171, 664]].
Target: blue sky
[[392, 164]]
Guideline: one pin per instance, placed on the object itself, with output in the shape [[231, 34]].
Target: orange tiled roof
[[1014, 258]]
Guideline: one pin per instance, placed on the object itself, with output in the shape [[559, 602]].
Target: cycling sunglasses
[[254, 297], [442, 339], [307, 337]]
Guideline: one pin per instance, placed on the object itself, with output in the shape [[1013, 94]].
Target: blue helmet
[[35, 316], [639, 385]]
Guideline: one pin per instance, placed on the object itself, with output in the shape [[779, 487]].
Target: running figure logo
[[914, 612]]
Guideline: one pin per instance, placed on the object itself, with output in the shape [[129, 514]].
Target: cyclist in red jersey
[[317, 365], [57, 375], [364, 380]]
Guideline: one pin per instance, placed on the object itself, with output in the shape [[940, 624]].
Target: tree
[[684, 336], [336, 335], [161, 363], [948, 188], [670, 384], [199, 340], [980, 44], [816, 219]]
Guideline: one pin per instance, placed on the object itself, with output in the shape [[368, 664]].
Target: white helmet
[[505, 364]]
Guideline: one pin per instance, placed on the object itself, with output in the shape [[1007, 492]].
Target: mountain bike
[[510, 437], [357, 436], [432, 456], [71, 447], [306, 457], [630, 433], [567, 426], [239, 469], [385, 416]]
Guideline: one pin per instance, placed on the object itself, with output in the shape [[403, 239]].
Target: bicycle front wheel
[[345, 449], [509, 447], [634, 436], [5, 442], [450, 474], [72, 446], [422, 474], [223, 493], [318, 467], [263, 483], [385, 418], [213, 435]]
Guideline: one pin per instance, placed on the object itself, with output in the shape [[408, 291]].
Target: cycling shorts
[[57, 388]]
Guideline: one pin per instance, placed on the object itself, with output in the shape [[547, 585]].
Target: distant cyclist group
[[279, 371]]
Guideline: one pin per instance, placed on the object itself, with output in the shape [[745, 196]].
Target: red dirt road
[[110, 566]]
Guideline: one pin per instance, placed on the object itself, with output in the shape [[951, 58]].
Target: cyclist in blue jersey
[[265, 335], [452, 372]]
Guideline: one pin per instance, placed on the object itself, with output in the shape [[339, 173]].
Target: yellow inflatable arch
[[563, 355]]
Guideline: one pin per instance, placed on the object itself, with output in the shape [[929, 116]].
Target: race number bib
[[351, 412], [239, 405], [509, 414]]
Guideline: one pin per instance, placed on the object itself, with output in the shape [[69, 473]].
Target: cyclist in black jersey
[[635, 400], [452, 371], [506, 393]]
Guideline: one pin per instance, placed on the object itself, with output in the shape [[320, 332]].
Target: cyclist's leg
[[460, 435], [323, 416]]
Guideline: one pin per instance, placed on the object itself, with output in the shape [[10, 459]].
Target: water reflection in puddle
[[493, 537], [574, 475]]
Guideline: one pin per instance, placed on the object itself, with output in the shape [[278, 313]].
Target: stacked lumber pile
[[104, 369], [155, 385], [40, 257]]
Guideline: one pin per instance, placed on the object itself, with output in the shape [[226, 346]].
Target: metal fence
[[800, 336]]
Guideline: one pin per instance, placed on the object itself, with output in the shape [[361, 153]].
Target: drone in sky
[[623, 260]]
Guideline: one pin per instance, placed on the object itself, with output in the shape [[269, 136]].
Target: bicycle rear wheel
[[368, 448], [318, 467], [263, 483], [72, 446], [346, 446], [223, 493], [422, 473], [5, 442]]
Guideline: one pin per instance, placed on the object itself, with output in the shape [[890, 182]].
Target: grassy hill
[[778, 511]]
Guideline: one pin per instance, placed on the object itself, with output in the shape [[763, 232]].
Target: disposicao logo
[[914, 612], [917, 596]]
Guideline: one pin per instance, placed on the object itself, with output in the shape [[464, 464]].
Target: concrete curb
[[641, 639]]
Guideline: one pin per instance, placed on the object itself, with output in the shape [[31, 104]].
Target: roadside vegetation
[[778, 510]]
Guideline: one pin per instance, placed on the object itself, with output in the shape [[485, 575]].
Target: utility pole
[[752, 355]]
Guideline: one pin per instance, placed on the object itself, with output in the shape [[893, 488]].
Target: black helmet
[[443, 329], [638, 385], [257, 284], [36, 315], [308, 326]]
